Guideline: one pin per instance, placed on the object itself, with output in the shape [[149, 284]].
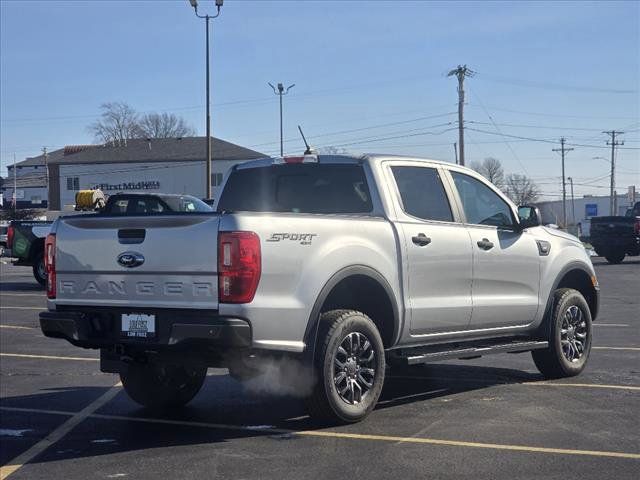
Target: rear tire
[[39, 272], [349, 367], [163, 386], [569, 333], [615, 257]]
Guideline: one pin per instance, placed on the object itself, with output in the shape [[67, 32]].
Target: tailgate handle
[[131, 236]]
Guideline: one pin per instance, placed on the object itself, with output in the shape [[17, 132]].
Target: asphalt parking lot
[[487, 418]]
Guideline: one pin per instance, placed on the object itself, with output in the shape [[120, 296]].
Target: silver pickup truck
[[341, 265]]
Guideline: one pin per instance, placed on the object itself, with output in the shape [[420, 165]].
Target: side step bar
[[417, 357]]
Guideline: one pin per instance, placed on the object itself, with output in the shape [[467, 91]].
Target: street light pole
[[280, 91], [194, 4]]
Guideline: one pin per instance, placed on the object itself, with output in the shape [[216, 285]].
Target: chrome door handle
[[421, 240], [485, 244]]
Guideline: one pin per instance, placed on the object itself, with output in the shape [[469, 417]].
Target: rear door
[[506, 262], [155, 261], [436, 250]]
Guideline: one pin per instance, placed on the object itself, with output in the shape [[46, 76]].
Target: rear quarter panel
[[300, 253]]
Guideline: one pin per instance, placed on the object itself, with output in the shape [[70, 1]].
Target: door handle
[[421, 240], [485, 244]]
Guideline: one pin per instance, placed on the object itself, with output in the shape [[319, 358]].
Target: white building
[[581, 210], [168, 165]]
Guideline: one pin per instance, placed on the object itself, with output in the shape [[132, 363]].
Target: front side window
[[422, 193], [482, 206]]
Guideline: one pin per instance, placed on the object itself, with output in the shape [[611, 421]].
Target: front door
[[506, 262], [436, 252]]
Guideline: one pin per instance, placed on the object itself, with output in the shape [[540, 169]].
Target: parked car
[[4, 227], [340, 265], [616, 237]]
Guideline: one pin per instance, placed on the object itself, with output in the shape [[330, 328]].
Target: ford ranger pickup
[[345, 265]]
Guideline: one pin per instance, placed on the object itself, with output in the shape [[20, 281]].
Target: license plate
[[138, 325]]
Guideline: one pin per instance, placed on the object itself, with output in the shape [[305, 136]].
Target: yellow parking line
[[48, 357], [57, 434], [17, 327], [580, 385], [354, 436]]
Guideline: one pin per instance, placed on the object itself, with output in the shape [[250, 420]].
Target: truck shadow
[[223, 411], [21, 287]]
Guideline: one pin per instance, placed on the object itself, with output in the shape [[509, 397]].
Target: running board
[[473, 352]]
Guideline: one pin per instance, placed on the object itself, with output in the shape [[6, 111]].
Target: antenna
[[309, 150]]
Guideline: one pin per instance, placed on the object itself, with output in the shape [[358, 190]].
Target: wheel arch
[[362, 288], [579, 277]]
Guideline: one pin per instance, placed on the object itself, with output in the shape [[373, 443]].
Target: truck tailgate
[[167, 261]]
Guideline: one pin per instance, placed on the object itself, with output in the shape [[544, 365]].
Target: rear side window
[[297, 188], [422, 193]]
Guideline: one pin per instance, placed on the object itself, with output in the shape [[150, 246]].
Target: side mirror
[[529, 216]]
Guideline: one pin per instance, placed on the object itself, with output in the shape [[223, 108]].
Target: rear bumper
[[630, 245], [102, 330]]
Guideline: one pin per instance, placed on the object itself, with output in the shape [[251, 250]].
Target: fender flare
[[313, 322], [566, 269]]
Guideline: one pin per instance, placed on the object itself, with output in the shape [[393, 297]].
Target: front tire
[[39, 272], [569, 331], [159, 387], [349, 367]]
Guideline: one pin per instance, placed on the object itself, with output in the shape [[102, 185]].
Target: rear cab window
[[422, 193], [298, 188]]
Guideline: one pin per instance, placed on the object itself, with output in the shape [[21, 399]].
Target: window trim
[[460, 206], [444, 178]]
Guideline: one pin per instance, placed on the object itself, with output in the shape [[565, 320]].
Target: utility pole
[[562, 150], [15, 184], [461, 72], [280, 91], [573, 204], [612, 193], [46, 165], [455, 151]]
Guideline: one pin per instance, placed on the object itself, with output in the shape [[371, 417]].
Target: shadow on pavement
[[21, 287], [239, 413]]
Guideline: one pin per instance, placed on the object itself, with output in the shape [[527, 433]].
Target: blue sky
[[364, 72]]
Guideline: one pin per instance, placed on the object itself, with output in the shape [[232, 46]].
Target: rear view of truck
[[146, 287], [616, 237]]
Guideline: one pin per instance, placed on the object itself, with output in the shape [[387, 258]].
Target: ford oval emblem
[[130, 259]]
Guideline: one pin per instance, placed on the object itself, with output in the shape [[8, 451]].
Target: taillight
[[10, 234], [636, 227], [50, 264], [239, 266]]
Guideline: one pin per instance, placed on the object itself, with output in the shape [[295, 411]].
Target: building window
[[216, 179], [73, 183]]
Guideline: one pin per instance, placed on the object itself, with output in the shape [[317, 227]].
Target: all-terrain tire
[[569, 320], [364, 365], [159, 387]]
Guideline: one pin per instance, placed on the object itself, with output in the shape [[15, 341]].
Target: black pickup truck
[[616, 237]]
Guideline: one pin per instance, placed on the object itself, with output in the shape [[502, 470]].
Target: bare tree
[[521, 189], [163, 125], [117, 123], [491, 169]]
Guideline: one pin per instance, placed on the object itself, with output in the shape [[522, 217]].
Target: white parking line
[[632, 349], [42, 295], [23, 308], [17, 327], [58, 433], [610, 325]]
